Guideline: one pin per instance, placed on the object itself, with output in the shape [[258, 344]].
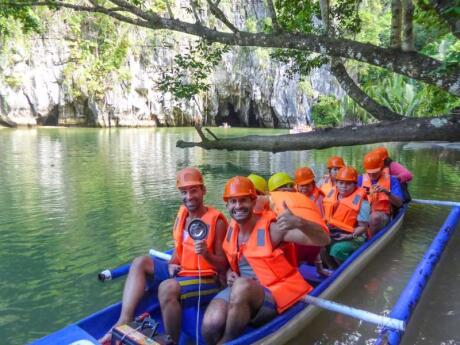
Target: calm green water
[[75, 201]]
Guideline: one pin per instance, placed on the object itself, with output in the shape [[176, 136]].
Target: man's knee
[[214, 320], [142, 264], [168, 290], [377, 221], [242, 290]]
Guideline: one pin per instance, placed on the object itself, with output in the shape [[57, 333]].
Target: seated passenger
[[281, 187], [327, 182], [347, 214], [397, 170], [261, 281], [305, 184], [384, 191], [188, 255]]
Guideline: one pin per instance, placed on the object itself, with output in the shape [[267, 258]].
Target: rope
[[197, 330]]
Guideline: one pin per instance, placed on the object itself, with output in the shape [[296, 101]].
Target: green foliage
[[297, 15], [98, 48], [189, 74], [251, 24], [14, 19], [12, 81], [326, 112]]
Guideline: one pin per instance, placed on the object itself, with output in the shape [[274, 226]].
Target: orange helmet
[[189, 177], [382, 152], [347, 174], [239, 186], [304, 175], [373, 162], [335, 162]]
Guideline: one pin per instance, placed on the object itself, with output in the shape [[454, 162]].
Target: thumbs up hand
[[287, 220]]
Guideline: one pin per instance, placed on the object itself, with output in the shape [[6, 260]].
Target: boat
[[278, 331]]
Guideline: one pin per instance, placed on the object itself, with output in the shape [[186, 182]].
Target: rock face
[[248, 88]]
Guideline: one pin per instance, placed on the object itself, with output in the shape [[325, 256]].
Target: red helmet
[[347, 174], [335, 162], [373, 162], [382, 152], [189, 177], [239, 186], [304, 175]]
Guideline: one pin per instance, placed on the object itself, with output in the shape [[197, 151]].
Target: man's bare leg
[[214, 321], [246, 298], [133, 291], [171, 309]]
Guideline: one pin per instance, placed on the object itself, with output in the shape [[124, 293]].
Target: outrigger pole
[[436, 202], [412, 293]]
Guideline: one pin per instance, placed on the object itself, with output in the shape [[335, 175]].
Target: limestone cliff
[[48, 79]]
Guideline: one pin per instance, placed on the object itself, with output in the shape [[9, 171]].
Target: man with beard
[[190, 261], [261, 280]]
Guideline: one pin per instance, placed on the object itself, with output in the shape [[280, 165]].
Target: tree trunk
[[395, 35], [446, 128], [377, 110], [407, 43], [324, 6]]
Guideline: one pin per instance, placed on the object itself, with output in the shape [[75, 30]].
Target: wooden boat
[[280, 330]]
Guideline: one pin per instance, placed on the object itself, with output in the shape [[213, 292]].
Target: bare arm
[[291, 228]]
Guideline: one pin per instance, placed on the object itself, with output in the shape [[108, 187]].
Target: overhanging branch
[[446, 128]]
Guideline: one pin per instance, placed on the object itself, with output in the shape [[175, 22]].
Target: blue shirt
[[395, 186]]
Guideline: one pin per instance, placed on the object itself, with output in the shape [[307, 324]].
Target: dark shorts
[[192, 288], [307, 253], [266, 312]]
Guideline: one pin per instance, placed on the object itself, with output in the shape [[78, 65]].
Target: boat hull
[[278, 331]]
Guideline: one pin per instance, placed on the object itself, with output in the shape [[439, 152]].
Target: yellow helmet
[[259, 182], [277, 180]]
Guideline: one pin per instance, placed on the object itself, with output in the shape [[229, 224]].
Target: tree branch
[[445, 128], [221, 16], [201, 134], [377, 110]]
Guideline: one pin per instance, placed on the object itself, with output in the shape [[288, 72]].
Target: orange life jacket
[[185, 249], [299, 204], [343, 213], [317, 197], [270, 265], [327, 185], [380, 202]]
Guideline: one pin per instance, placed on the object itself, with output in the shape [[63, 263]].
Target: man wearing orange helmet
[[190, 259], [334, 164], [384, 191], [305, 184], [397, 170], [347, 214], [262, 282]]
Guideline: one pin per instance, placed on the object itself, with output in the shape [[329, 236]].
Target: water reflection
[[74, 201]]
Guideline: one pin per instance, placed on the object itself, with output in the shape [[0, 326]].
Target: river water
[[75, 201]]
